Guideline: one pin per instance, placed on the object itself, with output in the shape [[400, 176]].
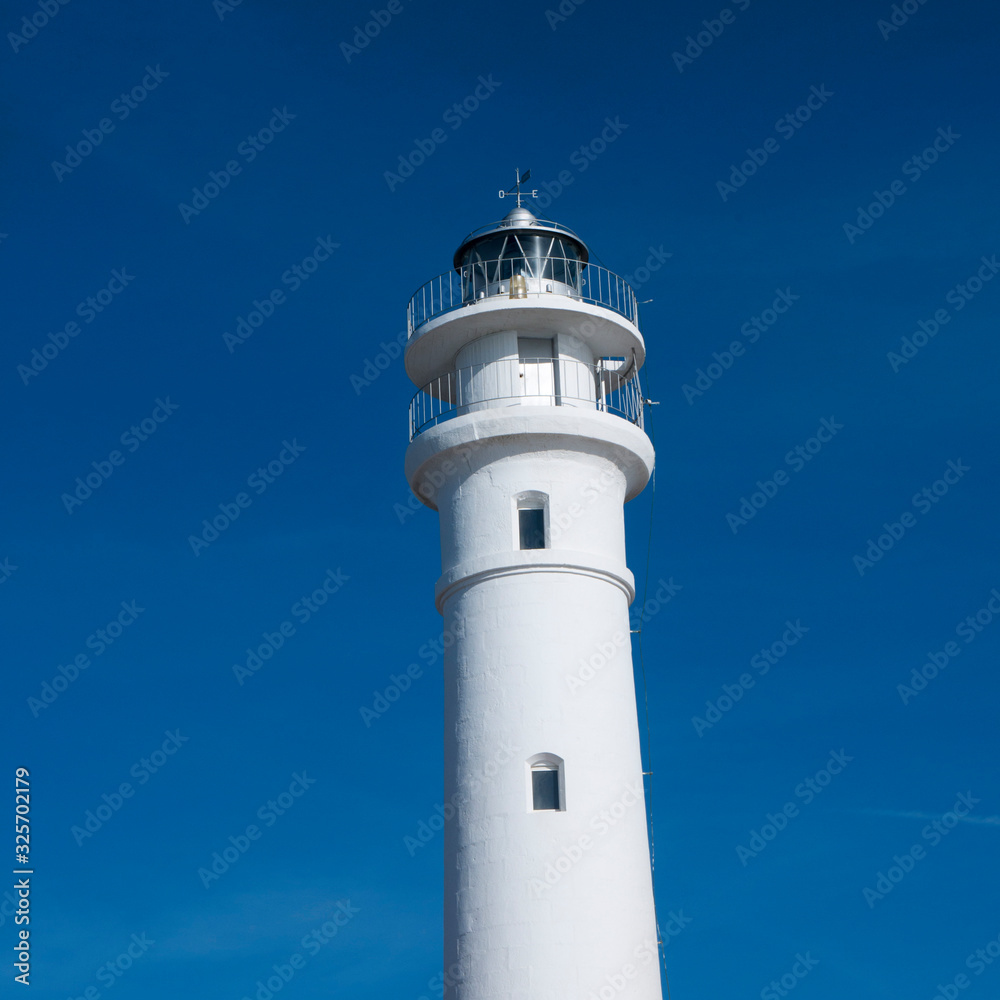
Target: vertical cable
[[645, 697]]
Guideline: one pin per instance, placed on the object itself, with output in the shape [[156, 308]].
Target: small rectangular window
[[545, 788], [531, 525]]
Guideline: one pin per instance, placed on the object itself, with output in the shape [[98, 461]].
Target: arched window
[[546, 783], [532, 518]]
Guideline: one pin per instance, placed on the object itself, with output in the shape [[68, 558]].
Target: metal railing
[[543, 276], [509, 382], [544, 226]]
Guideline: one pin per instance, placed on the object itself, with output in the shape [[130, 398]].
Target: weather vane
[[516, 189]]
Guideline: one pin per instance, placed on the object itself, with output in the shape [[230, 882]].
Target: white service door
[[536, 370]]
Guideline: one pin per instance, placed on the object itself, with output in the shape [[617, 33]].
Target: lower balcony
[[609, 386]]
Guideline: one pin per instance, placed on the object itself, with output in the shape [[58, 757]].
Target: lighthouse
[[526, 435]]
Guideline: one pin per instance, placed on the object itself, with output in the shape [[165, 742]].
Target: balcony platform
[[456, 308], [435, 455]]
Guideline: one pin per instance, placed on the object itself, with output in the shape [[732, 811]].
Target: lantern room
[[518, 255]]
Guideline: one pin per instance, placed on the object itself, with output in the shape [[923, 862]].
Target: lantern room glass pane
[[496, 258]]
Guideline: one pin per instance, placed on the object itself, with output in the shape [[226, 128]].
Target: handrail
[[544, 276], [528, 382], [527, 229]]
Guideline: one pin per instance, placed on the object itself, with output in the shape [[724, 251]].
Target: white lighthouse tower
[[527, 437]]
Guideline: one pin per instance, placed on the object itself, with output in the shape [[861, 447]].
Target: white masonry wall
[[542, 905]]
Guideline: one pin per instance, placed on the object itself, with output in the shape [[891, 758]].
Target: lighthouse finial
[[516, 189]]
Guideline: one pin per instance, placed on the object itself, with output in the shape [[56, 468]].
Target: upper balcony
[[531, 278]]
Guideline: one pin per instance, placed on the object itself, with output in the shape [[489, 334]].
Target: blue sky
[[300, 134]]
